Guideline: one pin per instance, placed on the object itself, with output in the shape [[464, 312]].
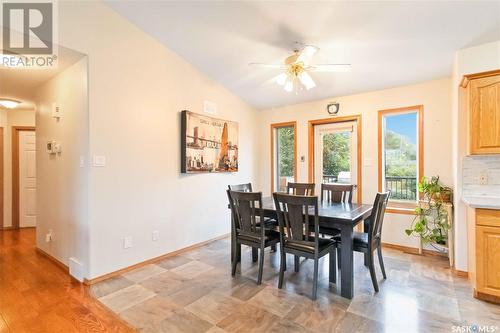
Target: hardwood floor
[[36, 295]]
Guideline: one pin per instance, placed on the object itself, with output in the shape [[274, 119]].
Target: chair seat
[[359, 239], [308, 246], [269, 235]]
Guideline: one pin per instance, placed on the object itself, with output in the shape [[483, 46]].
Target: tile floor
[[194, 292]]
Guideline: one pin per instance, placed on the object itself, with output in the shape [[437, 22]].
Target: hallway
[[36, 295]]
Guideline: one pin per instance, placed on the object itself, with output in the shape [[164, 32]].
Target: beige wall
[[476, 59], [137, 89], [9, 118], [62, 183], [434, 95]]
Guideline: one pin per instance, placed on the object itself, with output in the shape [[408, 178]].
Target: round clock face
[[333, 108]]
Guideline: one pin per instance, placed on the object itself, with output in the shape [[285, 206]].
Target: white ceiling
[[387, 43]]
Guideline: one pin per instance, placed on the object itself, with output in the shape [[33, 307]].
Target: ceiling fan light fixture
[[289, 85], [281, 79], [9, 103], [306, 80]]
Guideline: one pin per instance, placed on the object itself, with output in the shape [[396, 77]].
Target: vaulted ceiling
[[388, 43]]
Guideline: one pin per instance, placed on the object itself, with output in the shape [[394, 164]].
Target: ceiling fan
[[297, 67]]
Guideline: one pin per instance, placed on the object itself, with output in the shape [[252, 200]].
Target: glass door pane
[[335, 154], [285, 157]]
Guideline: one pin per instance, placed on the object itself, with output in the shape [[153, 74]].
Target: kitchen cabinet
[[483, 106], [487, 254]]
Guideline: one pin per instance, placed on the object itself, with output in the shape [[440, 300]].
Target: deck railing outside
[[402, 188]]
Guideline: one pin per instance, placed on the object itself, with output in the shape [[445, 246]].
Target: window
[[401, 154], [283, 155]]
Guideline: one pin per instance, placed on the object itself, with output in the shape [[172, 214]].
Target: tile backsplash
[[481, 176]]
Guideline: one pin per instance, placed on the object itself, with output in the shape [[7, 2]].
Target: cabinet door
[[488, 260], [485, 115]]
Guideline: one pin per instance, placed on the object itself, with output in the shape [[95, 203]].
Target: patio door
[[336, 154]]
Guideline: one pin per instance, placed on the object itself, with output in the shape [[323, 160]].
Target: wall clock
[[333, 108]]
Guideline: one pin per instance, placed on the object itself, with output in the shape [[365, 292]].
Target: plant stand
[[450, 244]]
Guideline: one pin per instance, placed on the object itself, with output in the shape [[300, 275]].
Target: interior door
[[27, 179], [335, 154]]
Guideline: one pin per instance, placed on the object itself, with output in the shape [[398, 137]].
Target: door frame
[[357, 119], [2, 200], [15, 172]]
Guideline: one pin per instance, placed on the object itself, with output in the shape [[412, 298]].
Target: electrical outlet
[[156, 235], [48, 236], [127, 242]]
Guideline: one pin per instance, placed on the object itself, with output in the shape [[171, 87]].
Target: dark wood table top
[[338, 213]]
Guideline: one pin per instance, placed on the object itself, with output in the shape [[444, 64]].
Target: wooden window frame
[[402, 207], [274, 127], [359, 129]]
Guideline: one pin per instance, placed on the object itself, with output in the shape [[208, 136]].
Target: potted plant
[[431, 222]]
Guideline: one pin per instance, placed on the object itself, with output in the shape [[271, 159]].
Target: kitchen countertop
[[482, 202]]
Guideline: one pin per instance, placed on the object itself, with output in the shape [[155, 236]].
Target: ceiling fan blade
[[279, 79], [274, 66], [330, 68], [306, 80], [306, 54]]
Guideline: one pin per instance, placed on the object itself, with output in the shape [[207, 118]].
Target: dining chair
[[367, 243], [295, 234], [269, 222], [247, 229], [247, 187], [337, 193], [300, 188]]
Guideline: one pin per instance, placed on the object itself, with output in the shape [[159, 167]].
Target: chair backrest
[[245, 207], [294, 219], [306, 189], [337, 192], [377, 217], [241, 187]]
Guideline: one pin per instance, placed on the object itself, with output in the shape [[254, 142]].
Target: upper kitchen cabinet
[[483, 104]]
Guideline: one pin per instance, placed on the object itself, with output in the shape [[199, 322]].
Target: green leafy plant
[[431, 218]]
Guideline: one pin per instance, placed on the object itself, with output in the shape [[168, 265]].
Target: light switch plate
[[156, 235], [127, 242], [99, 161]]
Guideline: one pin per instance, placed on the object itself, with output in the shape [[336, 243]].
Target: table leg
[[346, 263]]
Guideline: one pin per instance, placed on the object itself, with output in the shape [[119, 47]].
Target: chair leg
[[297, 259], [381, 261], [315, 278], [332, 274], [236, 254], [338, 257], [366, 259], [371, 266], [261, 265], [282, 268]]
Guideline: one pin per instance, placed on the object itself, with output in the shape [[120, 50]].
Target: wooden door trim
[[357, 119], [2, 200], [276, 126], [15, 172]]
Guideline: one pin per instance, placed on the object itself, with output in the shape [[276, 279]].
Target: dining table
[[344, 217]]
